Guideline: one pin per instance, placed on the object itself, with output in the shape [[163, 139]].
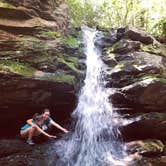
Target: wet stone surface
[[15, 152]]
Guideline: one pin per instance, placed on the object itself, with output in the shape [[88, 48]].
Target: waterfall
[[95, 139]]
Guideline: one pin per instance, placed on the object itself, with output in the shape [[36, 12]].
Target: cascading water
[[94, 141]]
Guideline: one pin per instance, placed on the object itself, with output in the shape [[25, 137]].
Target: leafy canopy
[[147, 14]]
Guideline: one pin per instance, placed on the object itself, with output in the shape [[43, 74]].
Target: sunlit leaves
[[147, 14]]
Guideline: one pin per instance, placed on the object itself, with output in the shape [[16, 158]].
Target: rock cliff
[[40, 60], [137, 71]]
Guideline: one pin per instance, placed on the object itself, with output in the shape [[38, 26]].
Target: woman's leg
[[29, 132], [25, 133]]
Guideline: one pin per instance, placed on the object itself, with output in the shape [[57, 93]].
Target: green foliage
[[160, 27], [149, 15], [71, 41], [83, 12], [5, 5], [60, 77], [70, 64], [16, 67], [49, 34]]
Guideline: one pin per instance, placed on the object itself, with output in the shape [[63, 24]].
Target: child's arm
[[44, 133], [30, 122]]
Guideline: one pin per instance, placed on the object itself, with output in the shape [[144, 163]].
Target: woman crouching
[[29, 131]]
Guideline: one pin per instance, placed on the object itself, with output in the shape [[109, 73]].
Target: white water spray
[[95, 140]]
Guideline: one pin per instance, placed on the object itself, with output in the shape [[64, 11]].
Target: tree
[[147, 14]]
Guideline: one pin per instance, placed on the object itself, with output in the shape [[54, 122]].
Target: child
[[48, 121], [29, 131]]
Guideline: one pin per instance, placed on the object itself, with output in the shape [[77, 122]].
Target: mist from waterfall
[[95, 140]]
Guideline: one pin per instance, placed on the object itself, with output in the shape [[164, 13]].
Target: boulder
[[124, 46], [148, 148], [146, 126], [137, 71], [138, 35], [132, 67], [151, 93]]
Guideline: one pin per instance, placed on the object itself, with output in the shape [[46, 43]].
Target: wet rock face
[[147, 125], [136, 69], [138, 35], [27, 15], [41, 63], [147, 148]]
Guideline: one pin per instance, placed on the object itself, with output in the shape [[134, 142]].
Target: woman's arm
[[44, 133], [30, 122], [58, 126]]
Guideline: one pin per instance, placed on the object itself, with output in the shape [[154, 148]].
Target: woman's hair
[[45, 110], [37, 117]]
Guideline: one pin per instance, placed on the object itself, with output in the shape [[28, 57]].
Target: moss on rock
[[118, 45], [48, 34], [70, 63], [9, 54], [26, 70], [154, 115], [4, 4], [16, 67], [157, 48], [60, 77], [146, 147], [31, 44], [123, 46], [71, 41]]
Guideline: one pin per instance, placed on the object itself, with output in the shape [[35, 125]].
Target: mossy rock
[[118, 45], [71, 63], [124, 66], [41, 58], [162, 80], [4, 4], [147, 147], [71, 42], [26, 70], [123, 46], [154, 115], [157, 48], [59, 77], [31, 45], [16, 67], [155, 77], [48, 34], [10, 54], [110, 59]]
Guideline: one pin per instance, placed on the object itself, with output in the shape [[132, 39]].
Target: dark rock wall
[[28, 13], [136, 69], [39, 66]]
